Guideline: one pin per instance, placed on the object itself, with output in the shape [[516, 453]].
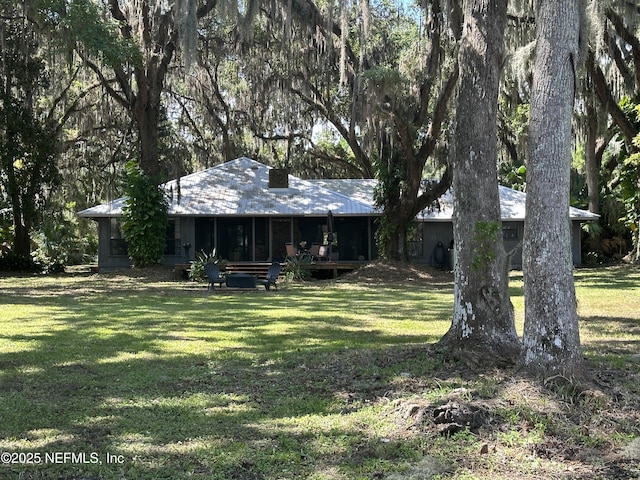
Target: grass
[[118, 377]]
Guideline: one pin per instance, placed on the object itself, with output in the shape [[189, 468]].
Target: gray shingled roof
[[241, 188]]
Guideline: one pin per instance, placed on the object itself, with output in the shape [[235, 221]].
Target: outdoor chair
[[291, 250], [272, 276], [323, 252], [314, 251], [212, 271]]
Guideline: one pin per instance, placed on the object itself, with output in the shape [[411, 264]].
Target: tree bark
[[143, 98], [551, 335], [482, 318]]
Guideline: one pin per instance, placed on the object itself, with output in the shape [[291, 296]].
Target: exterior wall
[[355, 239], [576, 242], [513, 233], [434, 232], [105, 259]]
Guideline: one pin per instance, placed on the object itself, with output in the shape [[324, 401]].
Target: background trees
[[27, 136], [602, 132], [378, 81], [326, 88]]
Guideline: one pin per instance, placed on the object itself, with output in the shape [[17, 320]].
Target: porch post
[[369, 240], [253, 239], [215, 234], [270, 240]]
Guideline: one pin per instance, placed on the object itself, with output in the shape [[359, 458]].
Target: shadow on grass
[[244, 387], [175, 382], [616, 277]]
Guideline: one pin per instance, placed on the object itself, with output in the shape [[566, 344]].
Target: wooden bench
[[258, 270]]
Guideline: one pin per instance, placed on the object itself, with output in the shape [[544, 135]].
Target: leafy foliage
[[621, 194], [386, 193], [28, 143], [298, 267], [196, 272], [60, 241], [81, 21], [484, 242], [14, 262], [629, 181], [145, 218]]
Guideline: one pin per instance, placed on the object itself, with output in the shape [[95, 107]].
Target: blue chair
[[272, 276], [212, 271]]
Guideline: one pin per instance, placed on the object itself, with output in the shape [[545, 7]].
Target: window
[[117, 243], [509, 231], [173, 237]]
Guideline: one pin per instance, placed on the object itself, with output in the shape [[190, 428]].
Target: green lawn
[[116, 377]]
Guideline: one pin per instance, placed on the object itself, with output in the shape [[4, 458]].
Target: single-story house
[[249, 211]]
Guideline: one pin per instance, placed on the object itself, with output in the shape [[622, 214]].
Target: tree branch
[[603, 91]]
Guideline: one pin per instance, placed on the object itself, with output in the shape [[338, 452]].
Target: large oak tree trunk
[[147, 116], [551, 336], [482, 317]]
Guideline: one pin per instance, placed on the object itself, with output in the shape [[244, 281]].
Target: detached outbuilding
[[249, 211]]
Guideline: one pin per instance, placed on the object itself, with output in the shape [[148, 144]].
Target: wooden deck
[[259, 269], [335, 267]]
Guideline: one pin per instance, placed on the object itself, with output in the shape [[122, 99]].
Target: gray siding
[[434, 232]]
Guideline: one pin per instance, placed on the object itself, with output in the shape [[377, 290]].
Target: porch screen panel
[[261, 239], [173, 237], [235, 239], [352, 241], [117, 243], [204, 235], [310, 230], [281, 235]]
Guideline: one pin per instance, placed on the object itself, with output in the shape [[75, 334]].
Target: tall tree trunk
[[158, 35], [397, 245], [147, 117], [551, 336], [21, 236], [21, 224], [405, 197], [482, 317]]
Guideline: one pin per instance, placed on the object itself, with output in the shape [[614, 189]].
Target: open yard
[[122, 377]]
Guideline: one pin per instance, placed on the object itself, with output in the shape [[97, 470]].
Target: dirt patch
[[397, 273], [147, 274]]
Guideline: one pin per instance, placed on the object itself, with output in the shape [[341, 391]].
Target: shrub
[[298, 267], [13, 262], [145, 218], [196, 272], [61, 241]]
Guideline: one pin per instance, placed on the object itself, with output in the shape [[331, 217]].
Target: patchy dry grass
[[137, 377]]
